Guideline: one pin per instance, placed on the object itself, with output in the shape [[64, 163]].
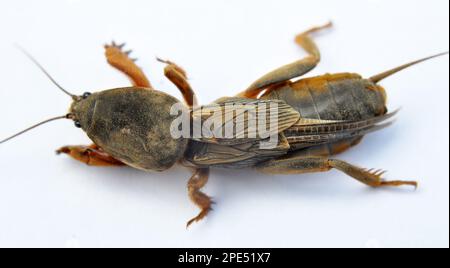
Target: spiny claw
[[120, 49], [380, 172], [191, 221], [63, 150], [163, 61], [374, 179], [399, 183], [377, 173], [114, 44], [200, 216]]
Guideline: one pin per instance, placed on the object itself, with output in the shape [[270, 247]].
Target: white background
[[48, 200]]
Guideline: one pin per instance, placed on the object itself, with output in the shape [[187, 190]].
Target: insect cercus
[[316, 118]]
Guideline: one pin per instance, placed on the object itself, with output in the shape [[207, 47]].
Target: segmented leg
[[292, 70], [91, 155], [302, 164], [178, 76], [196, 182], [370, 177], [121, 61]]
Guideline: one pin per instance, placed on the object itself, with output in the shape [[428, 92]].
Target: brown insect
[[317, 118]]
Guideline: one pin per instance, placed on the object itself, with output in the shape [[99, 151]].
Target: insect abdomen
[[333, 97]]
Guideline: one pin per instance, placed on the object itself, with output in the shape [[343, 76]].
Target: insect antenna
[[377, 78], [45, 72], [67, 116]]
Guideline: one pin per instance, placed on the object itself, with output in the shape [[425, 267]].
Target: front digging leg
[[90, 155], [121, 61]]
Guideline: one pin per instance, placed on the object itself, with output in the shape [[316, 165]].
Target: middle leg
[[196, 182], [178, 76]]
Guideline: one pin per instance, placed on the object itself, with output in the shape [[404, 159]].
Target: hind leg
[[91, 155], [370, 177], [301, 164], [292, 70]]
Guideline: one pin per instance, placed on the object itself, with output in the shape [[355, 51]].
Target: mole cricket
[[315, 119]]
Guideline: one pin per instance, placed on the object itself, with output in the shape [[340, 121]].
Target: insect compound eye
[[78, 124], [86, 94]]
